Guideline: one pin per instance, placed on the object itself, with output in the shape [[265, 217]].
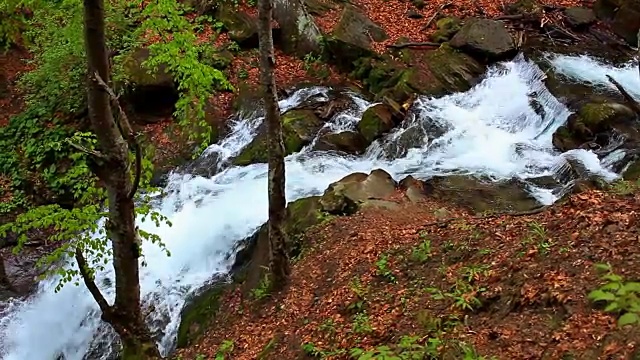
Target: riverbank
[[510, 287]]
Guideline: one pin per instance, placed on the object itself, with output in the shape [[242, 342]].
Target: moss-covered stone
[[593, 119], [530, 8], [352, 37], [198, 314], [632, 173], [454, 70], [446, 28], [140, 75], [347, 195], [376, 121], [299, 127], [350, 142], [242, 27]]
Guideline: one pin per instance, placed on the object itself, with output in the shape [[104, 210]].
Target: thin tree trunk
[[4, 279], [112, 167], [278, 257]]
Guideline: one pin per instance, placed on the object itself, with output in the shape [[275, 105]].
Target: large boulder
[[350, 142], [299, 33], [242, 27], [485, 39], [352, 37], [151, 91], [434, 72], [593, 126], [479, 195], [299, 128], [623, 16], [579, 17], [376, 121], [347, 195]]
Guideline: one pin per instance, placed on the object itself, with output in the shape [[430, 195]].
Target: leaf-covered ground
[[510, 287]]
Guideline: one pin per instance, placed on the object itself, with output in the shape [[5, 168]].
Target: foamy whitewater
[[490, 130]]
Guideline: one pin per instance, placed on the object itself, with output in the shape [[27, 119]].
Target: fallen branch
[[442, 7], [124, 126], [443, 222], [91, 285], [632, 102], [413, 44]]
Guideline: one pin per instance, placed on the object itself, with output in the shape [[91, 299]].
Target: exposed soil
[[534, 271]]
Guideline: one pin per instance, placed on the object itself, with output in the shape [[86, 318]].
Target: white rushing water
[[490, 130]]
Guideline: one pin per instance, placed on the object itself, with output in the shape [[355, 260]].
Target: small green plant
[[462, 295], [314, 351], [409, 347], [226, 348], [383, 270], [243, 74], [620, 296], [328, 326], [360, 302], [623, 187], [422, 252], [362, 324], [263, 290], [473, 272]]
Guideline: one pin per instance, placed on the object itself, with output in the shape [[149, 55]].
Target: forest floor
[[510, 287]]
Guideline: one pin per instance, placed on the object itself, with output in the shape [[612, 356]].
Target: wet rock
[[376, 121], [352, 37], [446, 28], [350, 142], [623, 16], [242, 27], [219, 59], [579, 17], [485, 39], [479, 195], [594, 125], [299, 128], [345, 196], [152, 91]]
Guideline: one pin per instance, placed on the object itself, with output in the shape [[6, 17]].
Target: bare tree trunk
[[111, 165], [278, 257], [4, 279]]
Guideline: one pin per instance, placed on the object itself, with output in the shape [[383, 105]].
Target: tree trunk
[[278, 257], [4, 279], [300, 34], [112, 167]]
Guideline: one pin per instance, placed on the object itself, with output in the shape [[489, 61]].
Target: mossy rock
[[352, 38], [140, 75], [242, 27], [376, 121], [530, 8], [446, 28], [199, 313], [632, 173], [299, 127], [594, 120], [453, 70]]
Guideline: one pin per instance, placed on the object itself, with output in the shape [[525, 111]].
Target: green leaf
[[599, 295], [628, 319]]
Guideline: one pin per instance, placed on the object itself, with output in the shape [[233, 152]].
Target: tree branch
[[413, 44], [93, 153], [91, 285], [632, 102], [127, 132]]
